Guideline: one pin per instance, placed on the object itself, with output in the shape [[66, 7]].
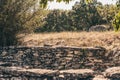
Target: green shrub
[[116, 22]]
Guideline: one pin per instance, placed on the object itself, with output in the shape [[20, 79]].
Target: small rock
[[100, 77]]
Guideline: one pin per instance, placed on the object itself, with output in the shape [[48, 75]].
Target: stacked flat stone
[[41, 74], [113, 73], [52, 57]]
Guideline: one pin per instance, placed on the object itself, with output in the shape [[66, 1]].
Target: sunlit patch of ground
[[81, 39]]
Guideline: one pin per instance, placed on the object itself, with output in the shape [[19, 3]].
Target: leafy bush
[[116, 22], [16, 17]]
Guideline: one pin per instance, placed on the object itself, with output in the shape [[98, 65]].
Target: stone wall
[[44, 74], [65, 63], [18, 73], [53, 57]]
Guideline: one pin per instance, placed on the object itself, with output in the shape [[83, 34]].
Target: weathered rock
[[78, 73], [27, 74], [115, 54], [98, 28], [18, 72], [113, 72], [100, 77]]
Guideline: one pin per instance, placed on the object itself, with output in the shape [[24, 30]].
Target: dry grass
[[81, 39]]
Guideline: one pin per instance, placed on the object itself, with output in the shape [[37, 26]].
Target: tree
[[107, 12], [37, 20], [56, 21], [14, 16], [85, 15]]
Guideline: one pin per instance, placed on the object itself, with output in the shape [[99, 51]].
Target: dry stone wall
[[58, 63], [44, 74], [52, 57], [18, 73]]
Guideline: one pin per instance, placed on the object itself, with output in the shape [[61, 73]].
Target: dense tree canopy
[[12, 13], [81, 17], [85, 15]]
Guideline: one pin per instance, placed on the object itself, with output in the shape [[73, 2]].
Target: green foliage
[[37, 20], [80, 18], [56, 21], [116, 22], [107, 12], [85, 15], [14, 18], [118, 3]]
